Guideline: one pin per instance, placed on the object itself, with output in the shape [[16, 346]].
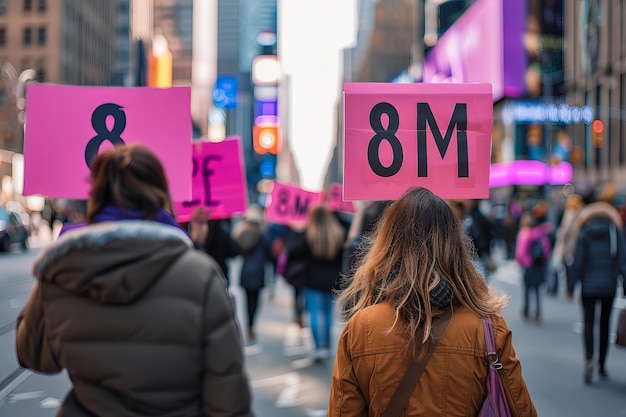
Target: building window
[[28, 5], [3, 36], [41, 36], [3, 6], [43, 5], [28, 36], [41, 70]]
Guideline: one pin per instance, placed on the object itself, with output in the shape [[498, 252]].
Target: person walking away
[[599, 258], [141, 321], [531, 252], [416, 267], [564, 243], [321, 246], [255, 248], [213, 237], [480, 230]]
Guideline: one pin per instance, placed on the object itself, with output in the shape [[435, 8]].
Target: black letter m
[[459, 119]]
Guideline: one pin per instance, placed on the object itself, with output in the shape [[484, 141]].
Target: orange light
[[265, 139], [597, 126], [597, 129]]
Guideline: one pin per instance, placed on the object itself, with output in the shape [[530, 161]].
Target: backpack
[[536, 251]]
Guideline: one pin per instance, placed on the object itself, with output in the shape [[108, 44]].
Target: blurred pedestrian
[[531, 252], [416, 267], [564, 243], [321, 246], [480, 230], [140, 320], [213, 237], [255, 248], [599, 258]]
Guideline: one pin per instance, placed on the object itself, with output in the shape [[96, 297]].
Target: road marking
[[50, 402], [21, 396], [288, 396], [14, 383], [288, 378]]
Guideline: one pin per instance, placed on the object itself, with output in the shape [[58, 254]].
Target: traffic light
[[597, 133], [265, 139]]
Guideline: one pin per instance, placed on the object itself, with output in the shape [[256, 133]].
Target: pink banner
[[397, 136], [218, 181], [336, 201], [290, 204], [66, 126]]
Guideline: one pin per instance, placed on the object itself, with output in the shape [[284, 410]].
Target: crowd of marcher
[[149, 296]]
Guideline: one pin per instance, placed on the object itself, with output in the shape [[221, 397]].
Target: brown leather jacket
[[369, 367]]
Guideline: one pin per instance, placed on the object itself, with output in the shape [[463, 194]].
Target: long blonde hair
[[417, 243], [324, 234]]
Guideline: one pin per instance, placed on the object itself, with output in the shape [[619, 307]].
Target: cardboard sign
[[336, 201], [397, 136], [218, 181], [66, 126], [290, 204]]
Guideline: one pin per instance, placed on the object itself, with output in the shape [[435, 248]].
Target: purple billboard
[[485, 45]]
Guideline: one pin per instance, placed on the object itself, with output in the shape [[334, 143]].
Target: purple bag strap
[[490, 343], [496, 403]]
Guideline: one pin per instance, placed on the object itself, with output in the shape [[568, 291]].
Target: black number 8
[[384, 134], [98, 121]]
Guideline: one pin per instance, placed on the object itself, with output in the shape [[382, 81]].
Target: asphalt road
[[285, 383]]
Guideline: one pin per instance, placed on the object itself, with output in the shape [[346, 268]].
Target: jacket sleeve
[[521, 248], [31, 341], [346, 397], [621, 260], [517, 393], [575, 269], [225, 388]]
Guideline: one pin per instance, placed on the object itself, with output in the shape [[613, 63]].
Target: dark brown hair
[[128, 176]]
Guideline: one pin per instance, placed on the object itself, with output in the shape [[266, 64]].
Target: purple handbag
[[496, 403]]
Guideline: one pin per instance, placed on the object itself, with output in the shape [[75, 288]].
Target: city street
[[285, 383]]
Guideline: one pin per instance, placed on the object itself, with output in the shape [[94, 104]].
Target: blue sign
[[225, 92]]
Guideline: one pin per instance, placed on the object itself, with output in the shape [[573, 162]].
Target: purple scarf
[[111, 213]]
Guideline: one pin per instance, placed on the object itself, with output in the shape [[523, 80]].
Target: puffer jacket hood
[[78, 263], [598, 210]]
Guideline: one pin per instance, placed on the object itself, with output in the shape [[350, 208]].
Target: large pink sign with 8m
[[436, 136]]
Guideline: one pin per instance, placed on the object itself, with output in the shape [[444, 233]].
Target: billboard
[[485, 45]]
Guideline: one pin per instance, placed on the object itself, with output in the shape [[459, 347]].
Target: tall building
[[57, 41], [174, 20], [122, 73], [595, 76]]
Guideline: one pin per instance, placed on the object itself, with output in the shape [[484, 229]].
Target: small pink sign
[[218, 181], [397, 136], [290, 204], [66, 126], [336, 201]]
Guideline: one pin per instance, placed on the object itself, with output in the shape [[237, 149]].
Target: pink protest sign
[[66, 126], [218, 182], [290, 204], [397, 136], [335, 200]]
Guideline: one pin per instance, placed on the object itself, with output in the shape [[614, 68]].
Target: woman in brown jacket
[[417, 263], [140, 320]]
